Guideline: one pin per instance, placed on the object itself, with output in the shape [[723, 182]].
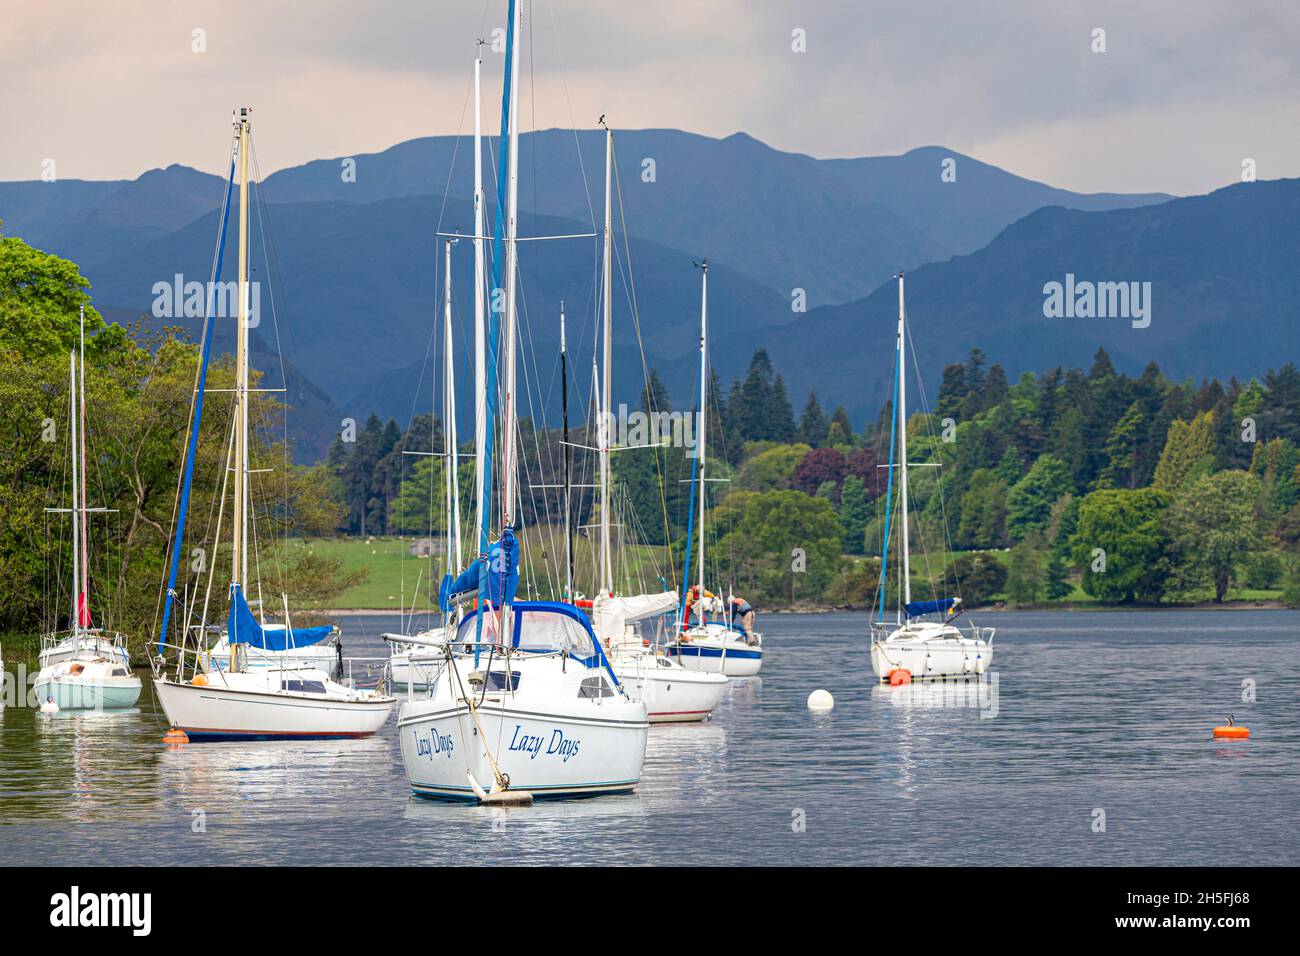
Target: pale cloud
[[1183, 93]]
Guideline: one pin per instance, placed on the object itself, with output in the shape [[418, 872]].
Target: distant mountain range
[[354, 265], [1224, 289]]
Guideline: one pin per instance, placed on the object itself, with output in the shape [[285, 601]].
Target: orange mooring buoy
[[175, 737], [899, 676], [1231, 731]]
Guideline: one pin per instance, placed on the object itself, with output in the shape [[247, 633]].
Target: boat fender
[[199, 680], [900, 677]]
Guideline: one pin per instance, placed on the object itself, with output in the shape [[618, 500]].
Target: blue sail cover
[[500, 570], [242, 628], [919, 608]]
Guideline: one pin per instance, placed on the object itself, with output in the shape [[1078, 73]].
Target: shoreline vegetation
[[1244, 604], [1066, 489]]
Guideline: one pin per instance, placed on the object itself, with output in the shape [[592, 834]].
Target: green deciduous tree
[[774, 534], [1127, 527], [1213, 525]]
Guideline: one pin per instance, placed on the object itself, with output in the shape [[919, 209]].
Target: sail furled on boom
[[921, 608], [494, 579], [242, 628]]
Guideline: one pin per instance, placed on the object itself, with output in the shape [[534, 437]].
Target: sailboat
[[524, 703], [281, 698], [87, 668], [918, 646], [718, 645], [672, 692]]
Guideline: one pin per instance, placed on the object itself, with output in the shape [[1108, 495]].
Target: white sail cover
[[610, 616]]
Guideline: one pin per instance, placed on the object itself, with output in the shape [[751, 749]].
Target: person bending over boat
[[742, 611]]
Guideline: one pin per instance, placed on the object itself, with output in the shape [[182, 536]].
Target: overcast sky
[[1185, 91]]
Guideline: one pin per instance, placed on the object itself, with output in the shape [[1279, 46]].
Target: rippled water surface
[[1088, 713]]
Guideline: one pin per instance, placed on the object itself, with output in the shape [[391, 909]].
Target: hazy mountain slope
[[1225, 298]]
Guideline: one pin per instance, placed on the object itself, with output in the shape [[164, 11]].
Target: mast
[[568, 452], [76, 515], [480, 332], [509, 464], [238, 556], [902, 443], [83, 603], [450, 444], [702, 437], [603, 421]]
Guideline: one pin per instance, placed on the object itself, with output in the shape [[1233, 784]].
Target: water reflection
[[1083, 709]]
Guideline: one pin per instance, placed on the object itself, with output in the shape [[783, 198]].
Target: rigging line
[[929, 423], [573, 123], [630, 281], [194, 578], [530, 384], [198, 372], [270, 253], [212, 565]]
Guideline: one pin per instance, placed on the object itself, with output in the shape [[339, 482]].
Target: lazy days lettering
[[531, 744], [435, 743]]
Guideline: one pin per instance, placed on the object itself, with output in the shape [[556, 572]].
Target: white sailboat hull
[[718, 650], [552, 754], [672, 693], [414, 673], [407, 673], [248, 706], [930, 656], [76, 693]]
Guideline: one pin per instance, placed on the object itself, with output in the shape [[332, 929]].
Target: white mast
[[480, 333], [239, 557], [702, 437], [603, 420], [84, 599], [76, 517], [512, 262], [902, 443], [568, 504], [450, 444]]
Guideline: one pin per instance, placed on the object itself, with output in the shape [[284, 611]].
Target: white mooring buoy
[[821, 700]]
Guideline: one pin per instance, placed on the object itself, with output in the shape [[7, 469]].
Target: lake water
[[1091, 713]]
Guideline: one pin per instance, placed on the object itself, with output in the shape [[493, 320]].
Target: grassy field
[[393, 572]]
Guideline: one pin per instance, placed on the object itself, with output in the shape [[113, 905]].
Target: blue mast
[[179, 538], [494, 329]]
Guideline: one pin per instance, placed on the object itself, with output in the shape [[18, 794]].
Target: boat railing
[[347, 677]]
